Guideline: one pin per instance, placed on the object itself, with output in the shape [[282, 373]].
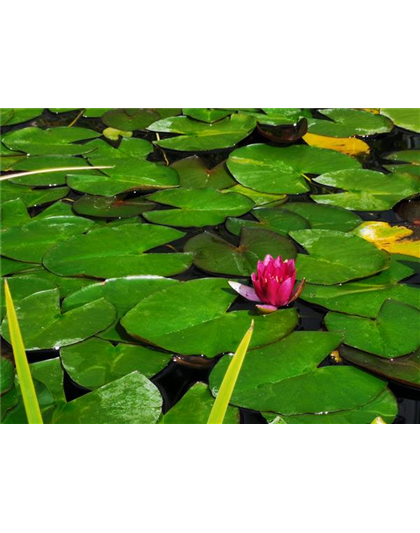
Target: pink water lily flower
[[273, 284]]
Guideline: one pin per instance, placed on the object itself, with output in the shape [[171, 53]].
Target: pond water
[[184, 370]]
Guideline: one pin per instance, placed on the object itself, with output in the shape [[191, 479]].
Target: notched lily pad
[[111, 207], [95, 362], [190, 318], [349, 122], [132, 399], [197, 207], [393, 333], [44, 327], [194, 174], [281, 170], [334, 257], [31, 197], [214, 254], [117, 251]]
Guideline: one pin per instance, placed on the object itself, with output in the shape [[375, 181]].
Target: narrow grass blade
[[47, 170], [33, 414], [221, 403]]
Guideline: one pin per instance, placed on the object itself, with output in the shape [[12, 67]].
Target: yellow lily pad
[[347, 145], [393, 239]]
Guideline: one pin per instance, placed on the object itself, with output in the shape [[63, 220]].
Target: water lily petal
[[298, 291], [245, 291]]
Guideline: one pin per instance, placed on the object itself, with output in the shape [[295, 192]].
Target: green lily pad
[[50, 373], [30, 241], [44, 327], [195, 408], [366, 296], [95, 362], [57, 209], [64, 284], [21, 287], [406, 161], [17, 414], [274, 116], [324, 216], [132, 399], [60, 140], [10, 116], [348, 123], [197, 207], [194, 174], [7, 375], [296, 354], [409, 119], [214, 254], [40, 162], [13, 213], [190, 318], [384, 405], [111, 207], [31, 197], [281, 170], [206, 114], [128, 148], [199, 137], [9, 400], [327, 389], [367, 190], [10, 266], [335, 257], [392, 333], [128, 174], [8, 158], [122, 293], [117, 251], [259, 198], [405, 369], [129, 119]]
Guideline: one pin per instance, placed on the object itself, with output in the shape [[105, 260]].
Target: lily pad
[[405, 369], [367, 190], [13, 213], [10, 266], [17, 414], [214, 254], [206, 114], [195, 408], [60, 140], [31, 197], [132, 399], [117, 251], [50, 373], [349, 122], [259, 198], [128, 148], [122, 293], [95, 362], [392, 333], [10, 116], [393, 239], [41, 162], [198, 136], [323, 216], [296, 354], [365, 297], [194, 174], [347, 145], [30, 241], [335, 257], [7, 375], [281, 170], [190, 318], [197, 207], [44, 327], [111, 207], [406, 118], [384, 405], [23, 286], [405, 161], [327, 389], [127, 174], [129, 119]]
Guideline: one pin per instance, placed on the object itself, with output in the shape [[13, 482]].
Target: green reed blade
[[33, 414], [221, 403]]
